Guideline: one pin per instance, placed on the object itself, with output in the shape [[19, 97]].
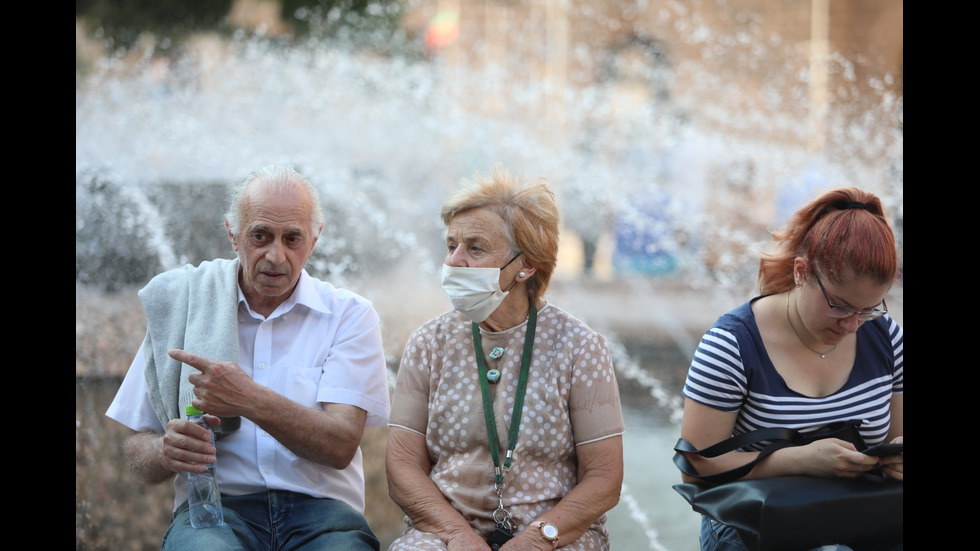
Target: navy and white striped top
[[731, 371]]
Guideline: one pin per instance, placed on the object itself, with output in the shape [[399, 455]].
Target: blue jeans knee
[[275, 520]]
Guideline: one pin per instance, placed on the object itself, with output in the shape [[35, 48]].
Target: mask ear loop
[[511, 261], [516, 281], [520, 275]]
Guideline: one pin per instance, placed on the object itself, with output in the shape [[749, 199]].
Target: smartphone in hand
[[884, 449], [498, 538]]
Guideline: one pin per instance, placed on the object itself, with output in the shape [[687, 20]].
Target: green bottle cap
[[191, 410]]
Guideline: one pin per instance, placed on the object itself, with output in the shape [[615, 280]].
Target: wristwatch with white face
[[548, 531]]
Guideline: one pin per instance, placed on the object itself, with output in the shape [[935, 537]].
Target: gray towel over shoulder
[[194, 308]]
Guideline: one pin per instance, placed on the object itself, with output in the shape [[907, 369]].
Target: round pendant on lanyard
[[500, 515]]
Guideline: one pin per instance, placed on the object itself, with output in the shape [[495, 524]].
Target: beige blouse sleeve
[[410, 404], [594, 403]]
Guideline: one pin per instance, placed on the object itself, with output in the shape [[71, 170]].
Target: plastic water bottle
[[204, 499]]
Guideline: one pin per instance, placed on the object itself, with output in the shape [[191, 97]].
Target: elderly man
[[289, 369]]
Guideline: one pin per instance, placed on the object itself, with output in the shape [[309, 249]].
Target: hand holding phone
[[884, 449], [498, 538]]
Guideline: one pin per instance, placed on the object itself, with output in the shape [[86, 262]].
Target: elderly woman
[[506, 429]]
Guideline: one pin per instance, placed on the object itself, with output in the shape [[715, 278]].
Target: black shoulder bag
[[795, 512]]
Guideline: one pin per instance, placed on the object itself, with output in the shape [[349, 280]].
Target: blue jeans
[[274, 520], [716, 536]]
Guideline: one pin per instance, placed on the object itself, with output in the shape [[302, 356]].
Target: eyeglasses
[[844, 312]]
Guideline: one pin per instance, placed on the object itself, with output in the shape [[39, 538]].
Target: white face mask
[[474, 292]]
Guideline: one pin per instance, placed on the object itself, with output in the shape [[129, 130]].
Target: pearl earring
[[520, 274]]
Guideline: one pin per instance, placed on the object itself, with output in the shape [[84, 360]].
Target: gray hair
[[281, 176]]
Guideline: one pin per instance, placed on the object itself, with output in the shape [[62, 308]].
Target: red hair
[[842, 229]]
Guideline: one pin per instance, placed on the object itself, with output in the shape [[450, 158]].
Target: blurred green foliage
[[123, 21], [329, 17], [360, 22]]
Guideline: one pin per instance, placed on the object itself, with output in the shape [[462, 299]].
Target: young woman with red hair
[[816, 347]]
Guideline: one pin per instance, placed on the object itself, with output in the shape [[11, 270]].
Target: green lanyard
[[501, 515]]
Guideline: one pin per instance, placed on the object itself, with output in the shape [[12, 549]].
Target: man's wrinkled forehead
[[265, 204]]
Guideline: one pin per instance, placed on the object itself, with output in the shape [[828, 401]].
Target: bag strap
[[778, 438]]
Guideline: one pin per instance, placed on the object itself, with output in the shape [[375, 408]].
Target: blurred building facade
[[822, 76], [775, 56]]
